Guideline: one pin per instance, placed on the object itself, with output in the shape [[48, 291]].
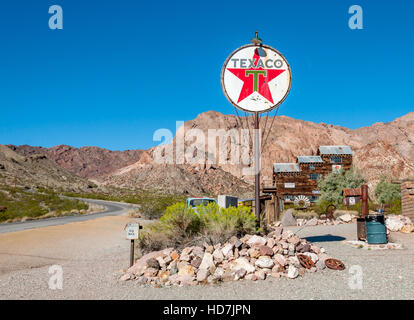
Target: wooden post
[[131, 258]]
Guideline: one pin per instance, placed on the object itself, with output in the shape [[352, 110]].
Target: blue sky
[[119, 70]]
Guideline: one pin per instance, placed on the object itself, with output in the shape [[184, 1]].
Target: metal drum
[[375, 228]]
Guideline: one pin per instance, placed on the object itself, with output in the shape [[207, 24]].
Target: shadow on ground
[[325, 238]]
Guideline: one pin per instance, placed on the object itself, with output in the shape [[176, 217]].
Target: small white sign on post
[[132, 231]]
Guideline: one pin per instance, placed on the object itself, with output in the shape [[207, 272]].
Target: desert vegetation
[[152, 204], [182, 226], [23, 204]]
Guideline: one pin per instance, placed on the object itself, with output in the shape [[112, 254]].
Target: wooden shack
[[351, 196], [292, 180], [407, 198]]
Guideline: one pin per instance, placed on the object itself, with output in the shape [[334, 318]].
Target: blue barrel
[[376, 230]]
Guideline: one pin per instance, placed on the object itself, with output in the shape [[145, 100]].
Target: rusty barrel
[[361, 229]]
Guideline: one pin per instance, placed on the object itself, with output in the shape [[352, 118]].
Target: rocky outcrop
[[86, 162], [36, 170]]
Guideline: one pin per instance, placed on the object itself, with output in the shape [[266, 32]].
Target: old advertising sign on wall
[[256, 78]]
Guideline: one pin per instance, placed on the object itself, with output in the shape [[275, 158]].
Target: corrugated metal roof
[[286, 167], [310, 159], [352, 192], [335, 150]]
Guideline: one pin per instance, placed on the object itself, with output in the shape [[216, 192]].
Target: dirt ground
[[92, 253]]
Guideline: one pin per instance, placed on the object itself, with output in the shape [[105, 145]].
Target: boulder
[[256, 241], [196, 262], [265, 251], [345, 218], [187, 270], [303, 247], [164, 275], [293, 272], [288, 219], [253, 253], [407, 229], [218, 255], [207, 261], [202, 275], [280, 259], [320, 265], [227, 250], [153, 263], [264, 262], [394, 224], [242, 263], [141, 264]]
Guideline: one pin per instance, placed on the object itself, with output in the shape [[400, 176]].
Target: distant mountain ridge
[[382, 148]]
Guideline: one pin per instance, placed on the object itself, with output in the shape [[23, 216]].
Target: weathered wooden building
[[292, 181], [351, 196], [407, 198]]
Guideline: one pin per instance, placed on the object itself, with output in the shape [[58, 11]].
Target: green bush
[[21, 203], [387, 192], [181, 226]]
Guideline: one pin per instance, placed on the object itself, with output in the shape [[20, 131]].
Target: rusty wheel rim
[[334, 264], [305, 261]]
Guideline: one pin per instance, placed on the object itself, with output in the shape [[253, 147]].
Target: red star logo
[[256, 79]]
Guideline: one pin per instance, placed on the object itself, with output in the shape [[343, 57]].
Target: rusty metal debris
[[330, 212], [305, 261], [334, 264]]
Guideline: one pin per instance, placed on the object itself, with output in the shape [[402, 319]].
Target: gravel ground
[[386, 275]]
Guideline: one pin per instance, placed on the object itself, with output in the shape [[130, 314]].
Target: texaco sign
[[256, 78]]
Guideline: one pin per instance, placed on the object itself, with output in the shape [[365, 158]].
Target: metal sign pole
[[257, 166], [256, 78], [131, 259]]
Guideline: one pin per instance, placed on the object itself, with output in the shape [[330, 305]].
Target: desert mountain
[[36, 170], [383, 148], [86, 162]]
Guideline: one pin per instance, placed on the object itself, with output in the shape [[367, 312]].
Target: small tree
[[387, 192], [332, 185]]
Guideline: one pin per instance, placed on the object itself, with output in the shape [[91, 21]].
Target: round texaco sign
[[256, 78]]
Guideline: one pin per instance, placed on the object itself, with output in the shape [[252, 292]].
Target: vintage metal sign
[[256, 78], [132, 231]]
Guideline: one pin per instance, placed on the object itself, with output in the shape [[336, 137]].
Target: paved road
[[112, 209]]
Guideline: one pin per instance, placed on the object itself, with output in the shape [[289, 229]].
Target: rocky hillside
[[383, 148], [86, 162], [36, 171]]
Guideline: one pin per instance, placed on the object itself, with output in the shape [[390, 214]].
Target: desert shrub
[[395, 207], [21, 203], [387, 192], [182, 219], [181, 226], [219, 224], [332, 185]]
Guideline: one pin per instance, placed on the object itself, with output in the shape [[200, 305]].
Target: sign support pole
[[257, 166], [131, 259]]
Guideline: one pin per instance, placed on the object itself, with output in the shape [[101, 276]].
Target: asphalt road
[[112, 209]]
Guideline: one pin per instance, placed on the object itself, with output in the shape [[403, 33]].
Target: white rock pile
[[252, 257], [345, 218], [399, 223]]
